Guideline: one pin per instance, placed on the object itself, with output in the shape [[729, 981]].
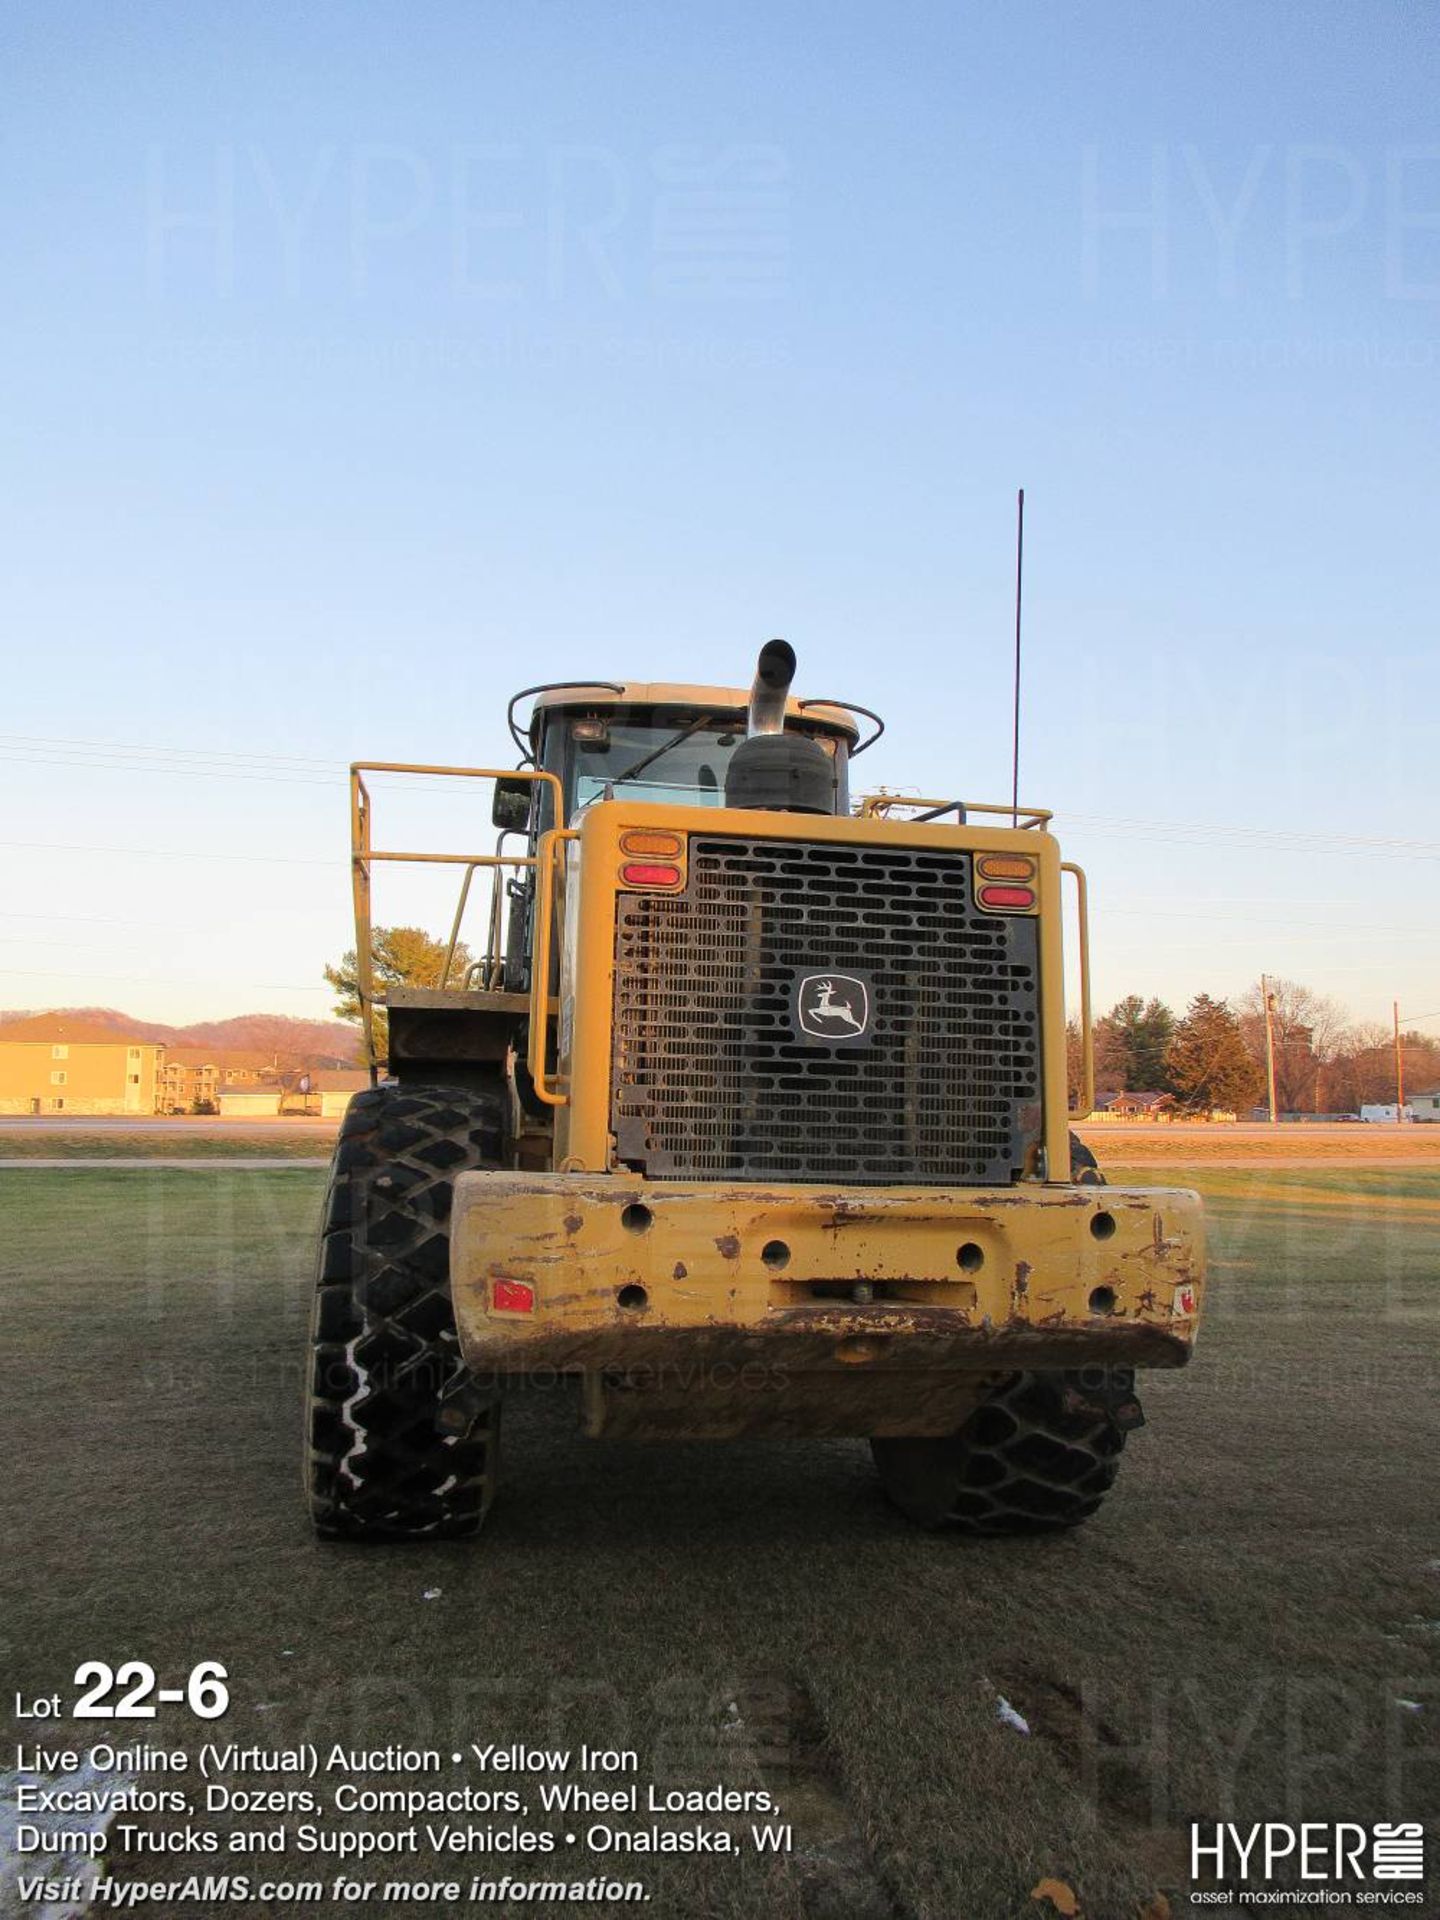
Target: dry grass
[[171, 1143], [1354, 1144], [1228, 1639]]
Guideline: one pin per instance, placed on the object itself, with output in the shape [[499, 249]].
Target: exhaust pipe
[[773, 770], [771, 687]]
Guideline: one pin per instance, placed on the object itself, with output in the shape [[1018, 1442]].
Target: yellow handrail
[[1087, 1037], [540, 963], [363, 855]]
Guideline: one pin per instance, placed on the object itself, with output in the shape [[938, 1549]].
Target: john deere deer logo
[[834, 1007]]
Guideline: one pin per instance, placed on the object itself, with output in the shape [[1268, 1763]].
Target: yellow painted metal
[[1087, 1033], [364, 854], [545, 889], [623, 1269], [583, 1133], [586, 986], [580, 1089]]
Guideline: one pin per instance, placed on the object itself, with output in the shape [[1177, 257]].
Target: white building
[[1425, 1106], [1386, 1114], [248, 1103], [335, 1088]]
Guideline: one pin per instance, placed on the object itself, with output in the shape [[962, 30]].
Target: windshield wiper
[[649, 759]]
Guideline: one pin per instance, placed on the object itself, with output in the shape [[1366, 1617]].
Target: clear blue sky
[[363, 362]]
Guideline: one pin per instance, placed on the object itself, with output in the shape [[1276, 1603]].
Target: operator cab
[[670, 745]]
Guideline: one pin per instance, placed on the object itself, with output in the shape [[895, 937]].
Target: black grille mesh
[[710, 1078]]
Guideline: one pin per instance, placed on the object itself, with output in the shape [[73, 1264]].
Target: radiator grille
[[712, 1076]]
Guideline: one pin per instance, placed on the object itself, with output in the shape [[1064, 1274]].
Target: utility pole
[[1269, 999], [1399, 1068]]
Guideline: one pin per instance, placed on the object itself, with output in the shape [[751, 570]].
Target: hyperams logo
[[831, 1008], [1340, 1854]]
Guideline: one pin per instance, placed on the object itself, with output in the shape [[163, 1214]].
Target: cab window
[[677, 760]]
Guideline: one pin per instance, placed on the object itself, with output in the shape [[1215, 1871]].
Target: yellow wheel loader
[[751, 1120]]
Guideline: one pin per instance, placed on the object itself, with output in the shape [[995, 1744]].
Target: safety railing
[[486, 971], [876, 805], [1087, 1032], [545, 891], [364, 855]]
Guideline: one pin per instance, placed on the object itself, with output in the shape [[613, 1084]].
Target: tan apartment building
[[192, 1079], [53, 1065]]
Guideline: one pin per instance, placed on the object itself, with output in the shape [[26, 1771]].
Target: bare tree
[[1074, 1062], [1363, 1070], [1308, 1030]]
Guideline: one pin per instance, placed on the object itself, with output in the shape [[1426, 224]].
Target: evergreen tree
[[1131, 1043], [1208, 1062]]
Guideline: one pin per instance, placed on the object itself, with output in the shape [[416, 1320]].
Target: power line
[[169, 853], [93, 765], [164, 980], [119, 763], [1260, 920], [94, 920], [1299, 840], [208, 761], [187, 753]]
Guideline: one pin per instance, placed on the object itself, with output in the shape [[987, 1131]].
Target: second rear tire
[[391, 1451], [1038, 1456]]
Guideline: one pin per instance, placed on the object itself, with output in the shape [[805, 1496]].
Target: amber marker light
[[1005, 866], [649, 840]]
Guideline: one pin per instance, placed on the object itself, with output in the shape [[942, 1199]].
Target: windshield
[[672, 756], [685, 771]]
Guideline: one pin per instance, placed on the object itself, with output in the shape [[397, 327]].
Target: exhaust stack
[[771, 687], [772, 770]]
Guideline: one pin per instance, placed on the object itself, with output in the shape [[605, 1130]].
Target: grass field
[[1231, 1638], [1193, 1143], [1147, 1147], [175, 1142]]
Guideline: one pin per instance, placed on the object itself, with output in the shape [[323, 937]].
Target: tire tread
[[384, 1348], [1031, 1459]]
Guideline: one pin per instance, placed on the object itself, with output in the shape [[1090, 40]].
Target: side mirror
[[510, 810]]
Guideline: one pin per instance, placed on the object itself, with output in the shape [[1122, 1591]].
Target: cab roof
[[667, 693]]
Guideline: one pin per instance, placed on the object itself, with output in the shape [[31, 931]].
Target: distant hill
[[316, 1042]]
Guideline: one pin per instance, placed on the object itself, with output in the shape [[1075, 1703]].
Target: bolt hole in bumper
[[693, 1309]]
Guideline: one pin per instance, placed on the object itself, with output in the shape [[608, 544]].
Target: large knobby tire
[[384, 1354], [1084, 1167], [1037, 1456]]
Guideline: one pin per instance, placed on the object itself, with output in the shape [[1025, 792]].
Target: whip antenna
[[1019, 582]]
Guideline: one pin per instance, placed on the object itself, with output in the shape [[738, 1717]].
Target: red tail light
[[513, 1296], [1007, 897], [642, 873]]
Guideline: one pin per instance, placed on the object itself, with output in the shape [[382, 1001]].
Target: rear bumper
[[588, 1273]]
